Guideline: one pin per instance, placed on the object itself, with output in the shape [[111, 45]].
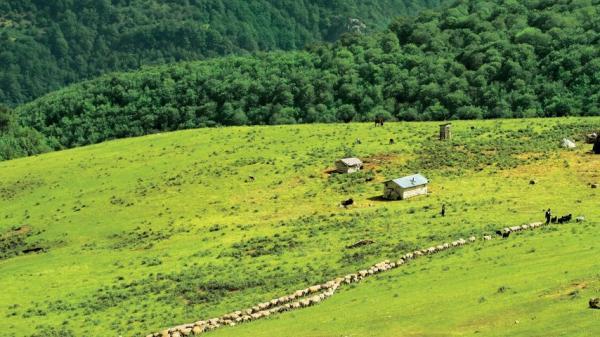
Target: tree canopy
[[475, 59], [47, 44]]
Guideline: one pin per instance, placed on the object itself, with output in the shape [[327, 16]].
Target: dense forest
[[16, 140], [476, 59], [47, 44]]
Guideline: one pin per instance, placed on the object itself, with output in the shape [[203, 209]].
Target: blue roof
[[411, 181]]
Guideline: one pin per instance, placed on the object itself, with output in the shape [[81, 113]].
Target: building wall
[[341, 168], [394, 192], [413, 192]]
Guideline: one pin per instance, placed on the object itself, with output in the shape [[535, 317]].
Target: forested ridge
[[47, 44], [476, 59]]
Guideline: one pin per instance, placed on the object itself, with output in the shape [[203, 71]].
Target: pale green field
[[142, 234]]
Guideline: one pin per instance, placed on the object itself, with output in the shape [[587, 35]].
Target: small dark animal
[[392, 141], [505, 235], [565, 218], [499, 232], [379, 121], [347, 203], [360, 244], [554, 219]]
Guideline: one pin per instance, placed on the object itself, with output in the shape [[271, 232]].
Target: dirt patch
[[567, 292], [376, 161], [20, 230]]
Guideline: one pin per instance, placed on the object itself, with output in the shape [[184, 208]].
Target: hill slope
[[536, 284], [47, 44], [146, 233], [476, 59]]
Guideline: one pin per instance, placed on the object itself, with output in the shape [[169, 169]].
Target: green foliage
[[492, 59], [17, 141], [47, 44]]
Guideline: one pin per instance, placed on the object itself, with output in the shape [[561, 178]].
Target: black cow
[[347, 203], [554, 219], [565, 218], [503, 233]]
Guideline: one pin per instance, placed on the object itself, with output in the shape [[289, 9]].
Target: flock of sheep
[[318, 293]]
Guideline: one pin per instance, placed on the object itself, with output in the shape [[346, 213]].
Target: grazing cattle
[[505, 235], [594, 303], [565, 218], [379, 121], [555, 219], [347, 203]]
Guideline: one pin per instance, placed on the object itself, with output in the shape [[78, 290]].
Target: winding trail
[[316, 294]]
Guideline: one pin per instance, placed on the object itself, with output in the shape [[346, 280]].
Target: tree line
[[475, 59], [48, 44]]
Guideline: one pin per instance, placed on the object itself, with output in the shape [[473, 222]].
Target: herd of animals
[[314, 295], [318, 293]]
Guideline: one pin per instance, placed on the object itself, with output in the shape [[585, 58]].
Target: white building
[[404, 188], [348, 165]]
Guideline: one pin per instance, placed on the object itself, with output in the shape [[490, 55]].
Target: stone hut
[[348, 165], [404, 188], [446, 131]]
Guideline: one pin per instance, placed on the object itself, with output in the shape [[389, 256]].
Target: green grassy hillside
[[146, 233], [536, 284]]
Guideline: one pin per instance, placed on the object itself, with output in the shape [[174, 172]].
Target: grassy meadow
[[145, 233]]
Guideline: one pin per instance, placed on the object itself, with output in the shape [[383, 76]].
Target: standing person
[[548, 216], [443, 210]]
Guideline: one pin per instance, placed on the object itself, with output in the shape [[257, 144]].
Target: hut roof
[[410, 181], [351, 161]]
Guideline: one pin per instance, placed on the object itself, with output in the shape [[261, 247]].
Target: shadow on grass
[[380, 198]]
